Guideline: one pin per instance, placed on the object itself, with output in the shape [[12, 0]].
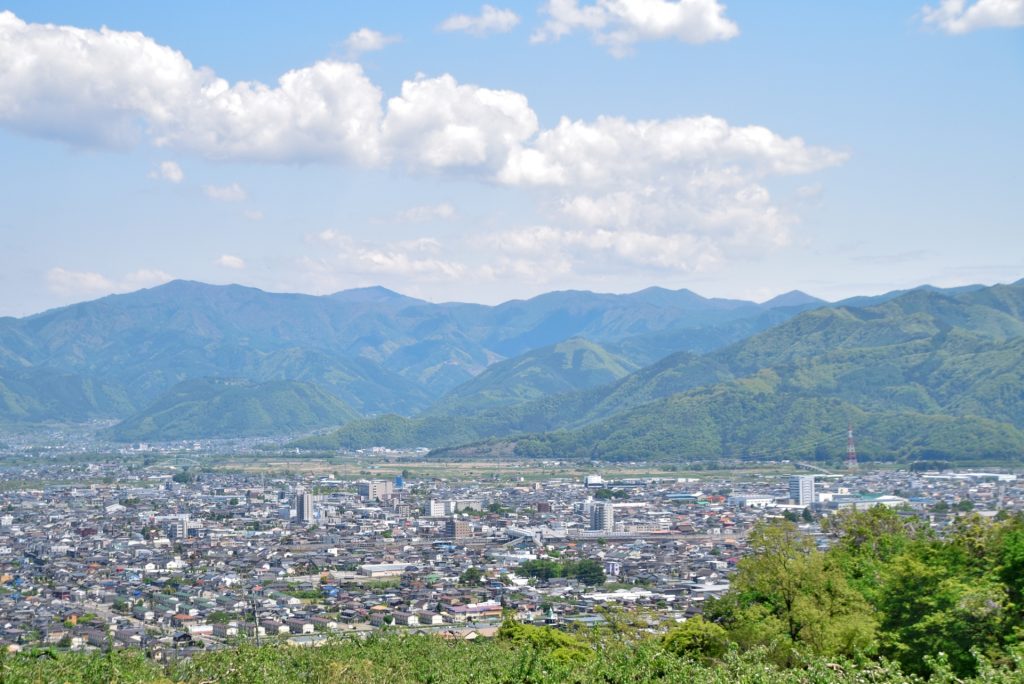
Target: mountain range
[[922, 373], [656, 373], [376, 350]]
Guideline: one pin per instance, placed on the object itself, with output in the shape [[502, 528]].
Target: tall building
[[457, 529], [434, 509], [376, 490], [303, 506], [602, 517], [801, 489]]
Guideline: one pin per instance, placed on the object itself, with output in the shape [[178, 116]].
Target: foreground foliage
[[889, 586], [521, 654]]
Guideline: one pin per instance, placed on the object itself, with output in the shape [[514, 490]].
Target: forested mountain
[[376, 350], [920, 371], [233, 408], [574, 364], [924, 372], [40, 394]]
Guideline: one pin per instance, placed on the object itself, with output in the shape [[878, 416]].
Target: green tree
[[589, 571], [471, 576], [696, 638], [788, 595]]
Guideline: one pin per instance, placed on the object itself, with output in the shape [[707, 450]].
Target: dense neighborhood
[[175, 558]]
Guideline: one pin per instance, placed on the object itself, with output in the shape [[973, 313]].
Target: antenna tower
[[851, 450]]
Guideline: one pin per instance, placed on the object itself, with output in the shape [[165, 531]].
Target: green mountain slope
[[208, 407], [377, 350], [574, 364], [760, 416], [41, 395], [924, 372]]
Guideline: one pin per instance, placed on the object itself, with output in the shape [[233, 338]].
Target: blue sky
[[736, 148]]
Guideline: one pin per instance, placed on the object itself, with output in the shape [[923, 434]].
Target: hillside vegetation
[[378, 351], [575, 364], [232, 408], [923, 374]]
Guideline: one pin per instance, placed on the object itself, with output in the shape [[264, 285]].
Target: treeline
[[586, 570]]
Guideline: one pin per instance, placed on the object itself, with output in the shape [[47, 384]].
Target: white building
[[602, 517], [304, 506], [801, 489], [376, 490]]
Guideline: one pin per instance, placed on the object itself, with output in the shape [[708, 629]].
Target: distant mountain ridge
[[657, 372], [376, 350]]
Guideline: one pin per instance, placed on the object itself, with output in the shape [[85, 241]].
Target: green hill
[[574, 364], [208, 407]]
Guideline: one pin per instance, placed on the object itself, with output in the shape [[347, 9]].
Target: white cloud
[[253, 214], [427, 212], [64, 282], [491, 20], [699, 177], [693, 186], [231, 261], [112, 88], [414, 259], [955, 16], [225, 193], [545, 245], [438, 123], [168, 171], [613, 147], [367, 40], [618, 24]]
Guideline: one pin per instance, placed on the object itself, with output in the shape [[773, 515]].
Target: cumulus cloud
[[65, 282], [112, 88], [699, 177], [427, 212], [956, 16], [168, 171], [231, 261], [614, 147], [367, 40], [490, 20], [684, 191], [440, 123], [225, 193], [619, 24]]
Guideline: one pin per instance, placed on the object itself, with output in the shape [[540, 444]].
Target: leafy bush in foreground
[[533, 655]]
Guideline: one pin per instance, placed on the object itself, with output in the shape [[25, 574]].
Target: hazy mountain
[[377, 350], [233, 408]]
